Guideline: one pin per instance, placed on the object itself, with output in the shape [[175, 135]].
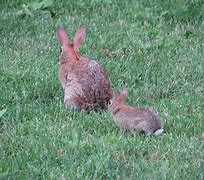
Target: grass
[[155, 48]]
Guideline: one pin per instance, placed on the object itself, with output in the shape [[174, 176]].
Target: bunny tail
[[158, 132]]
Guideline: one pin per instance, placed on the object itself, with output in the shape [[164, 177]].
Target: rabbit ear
[[62, 36], [123, 95], [79, 38]]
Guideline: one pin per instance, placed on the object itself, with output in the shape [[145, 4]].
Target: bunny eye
[[61, 49], [110, 102]]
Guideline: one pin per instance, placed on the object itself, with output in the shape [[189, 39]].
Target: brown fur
[[133, 118], [85, 83]]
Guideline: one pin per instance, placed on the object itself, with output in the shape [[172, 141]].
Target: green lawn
[[155, 48]]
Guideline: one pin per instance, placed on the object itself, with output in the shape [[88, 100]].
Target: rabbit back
[[86, 85], [138, 119]]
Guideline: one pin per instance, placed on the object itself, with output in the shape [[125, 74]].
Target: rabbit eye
[[61, 49], [110, 102]]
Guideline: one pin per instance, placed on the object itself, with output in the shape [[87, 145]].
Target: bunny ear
[[79, 38], [62, 36], [123, 95]]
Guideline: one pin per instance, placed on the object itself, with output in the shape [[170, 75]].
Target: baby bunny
[[85, 83], [134, 118]]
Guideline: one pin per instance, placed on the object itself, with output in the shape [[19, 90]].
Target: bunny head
[[70, 51], [117, 102]]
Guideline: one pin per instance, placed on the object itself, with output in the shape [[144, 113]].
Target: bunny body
[[84, 81], [134, 118]]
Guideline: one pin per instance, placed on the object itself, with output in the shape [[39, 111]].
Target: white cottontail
[[85, 83], [134, 118]]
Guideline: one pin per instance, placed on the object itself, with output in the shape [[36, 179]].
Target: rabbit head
[[70, 51], [117, 102]]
